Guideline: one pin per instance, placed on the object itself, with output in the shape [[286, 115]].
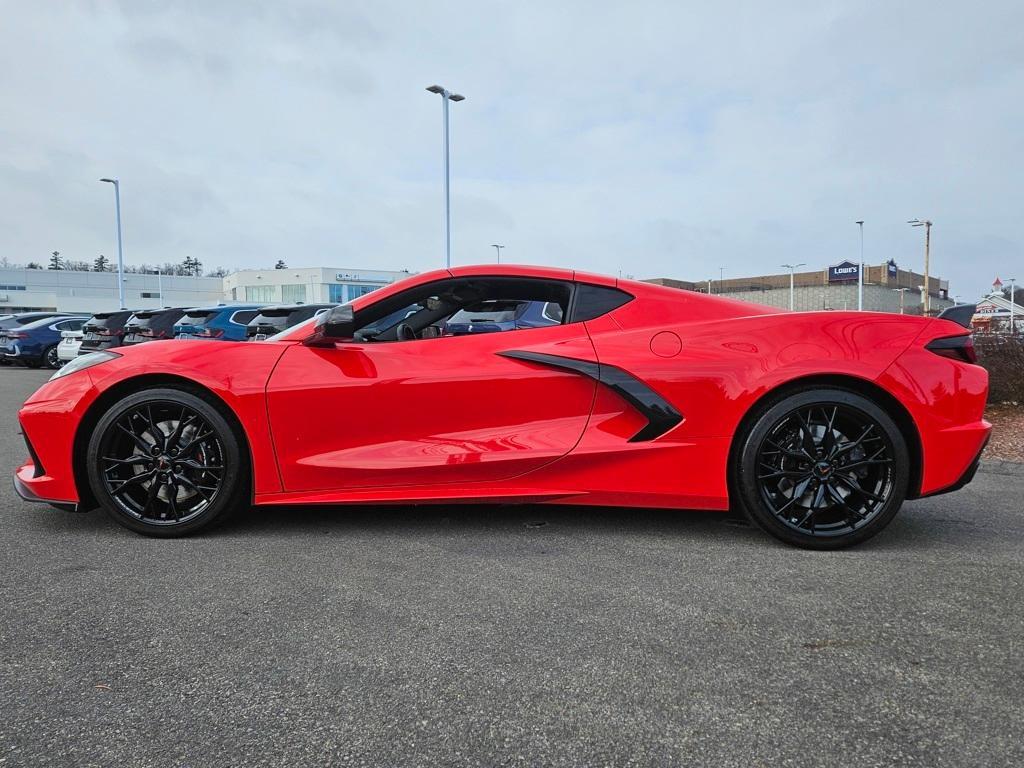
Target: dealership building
[[887, 288], [62, 290]]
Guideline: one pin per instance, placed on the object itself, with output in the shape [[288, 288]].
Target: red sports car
[[817, 425]]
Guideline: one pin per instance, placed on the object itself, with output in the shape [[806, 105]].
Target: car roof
[[48, 320], [279, 309], [152, 312], [223, 307]]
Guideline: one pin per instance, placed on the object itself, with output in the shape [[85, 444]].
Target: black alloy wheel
[[50, 358], [166, 462], [823, 469]]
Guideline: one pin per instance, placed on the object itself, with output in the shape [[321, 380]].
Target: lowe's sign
[[839, 273]]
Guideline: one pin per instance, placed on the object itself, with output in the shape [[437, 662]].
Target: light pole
[[792, 269], [860, 270], [721, 279], [1012, 281], [446, 96], [709, 286], [159, 284], [901, 292], [927, 253], [497, 249], [120, 252]]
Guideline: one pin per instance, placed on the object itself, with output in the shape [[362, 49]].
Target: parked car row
[[50, 339]]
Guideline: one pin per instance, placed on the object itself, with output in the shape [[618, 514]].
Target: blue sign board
[[892, 267], [842, 272]]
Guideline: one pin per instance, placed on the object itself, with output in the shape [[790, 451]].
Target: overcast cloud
[[662, 139]]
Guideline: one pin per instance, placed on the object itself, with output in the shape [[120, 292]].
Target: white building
[[311, 285], [25, 290]]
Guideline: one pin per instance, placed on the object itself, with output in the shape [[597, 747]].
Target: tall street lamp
[[792, 269], [497, 249], [159, 284], [860, 270], [120, 252], [1012, 281], [901, 292], [927, 252], [446, 96], [721, 279]]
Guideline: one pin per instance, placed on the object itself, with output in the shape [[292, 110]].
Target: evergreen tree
[[101, 263], [55, 261], [280, 264]]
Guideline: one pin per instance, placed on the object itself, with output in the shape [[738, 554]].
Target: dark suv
[[152, 325], [277, 318], [103, 331]]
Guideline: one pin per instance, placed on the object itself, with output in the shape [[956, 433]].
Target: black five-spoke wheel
[[164, 462], [823, 469]]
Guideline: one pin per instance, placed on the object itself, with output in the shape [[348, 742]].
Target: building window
[[12, 287], [292, 294], [259, 293], [360, 290], [336, 293], [149, 295]]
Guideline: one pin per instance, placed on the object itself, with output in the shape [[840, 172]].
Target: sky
[[656, 139]]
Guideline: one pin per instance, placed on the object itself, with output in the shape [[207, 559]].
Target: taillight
[[210, 333], [17, 335], [955, 347]]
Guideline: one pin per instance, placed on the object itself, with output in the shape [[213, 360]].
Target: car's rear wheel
[[50, 358], [822, 468], [166, 462]]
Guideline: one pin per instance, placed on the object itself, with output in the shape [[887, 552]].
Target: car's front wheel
[[166, 462], [822, 468]]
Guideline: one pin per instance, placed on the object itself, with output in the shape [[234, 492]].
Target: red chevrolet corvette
[[524, 384]]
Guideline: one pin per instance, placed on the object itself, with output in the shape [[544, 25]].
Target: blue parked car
[[35, 344], [502, 315], [222, 321]]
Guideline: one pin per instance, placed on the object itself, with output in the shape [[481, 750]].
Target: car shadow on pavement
[[915, 528]]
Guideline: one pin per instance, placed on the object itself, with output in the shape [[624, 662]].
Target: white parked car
[[67, 349]]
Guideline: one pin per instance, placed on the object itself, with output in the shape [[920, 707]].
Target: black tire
[[821, 468], [50, 359], [166, 462]]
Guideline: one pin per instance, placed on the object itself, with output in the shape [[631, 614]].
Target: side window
[[243, 317], [595, 300], [466, 306]]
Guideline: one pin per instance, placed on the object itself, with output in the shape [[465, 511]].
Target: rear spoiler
[[961, 314]]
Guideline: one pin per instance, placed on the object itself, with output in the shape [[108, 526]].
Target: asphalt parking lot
[[509, 636]]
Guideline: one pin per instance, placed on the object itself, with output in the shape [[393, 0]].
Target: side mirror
[[336, 324]]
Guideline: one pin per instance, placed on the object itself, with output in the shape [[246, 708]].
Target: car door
[[451, 409]]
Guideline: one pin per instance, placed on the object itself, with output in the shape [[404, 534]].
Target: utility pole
[[721, 279], [447, 96], [497, 249], [860, 270], [792, 269], [927, 253]]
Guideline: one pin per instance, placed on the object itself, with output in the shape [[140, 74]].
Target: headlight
[[82, 362]]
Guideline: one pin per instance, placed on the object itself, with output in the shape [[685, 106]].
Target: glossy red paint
[[454, 419]]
